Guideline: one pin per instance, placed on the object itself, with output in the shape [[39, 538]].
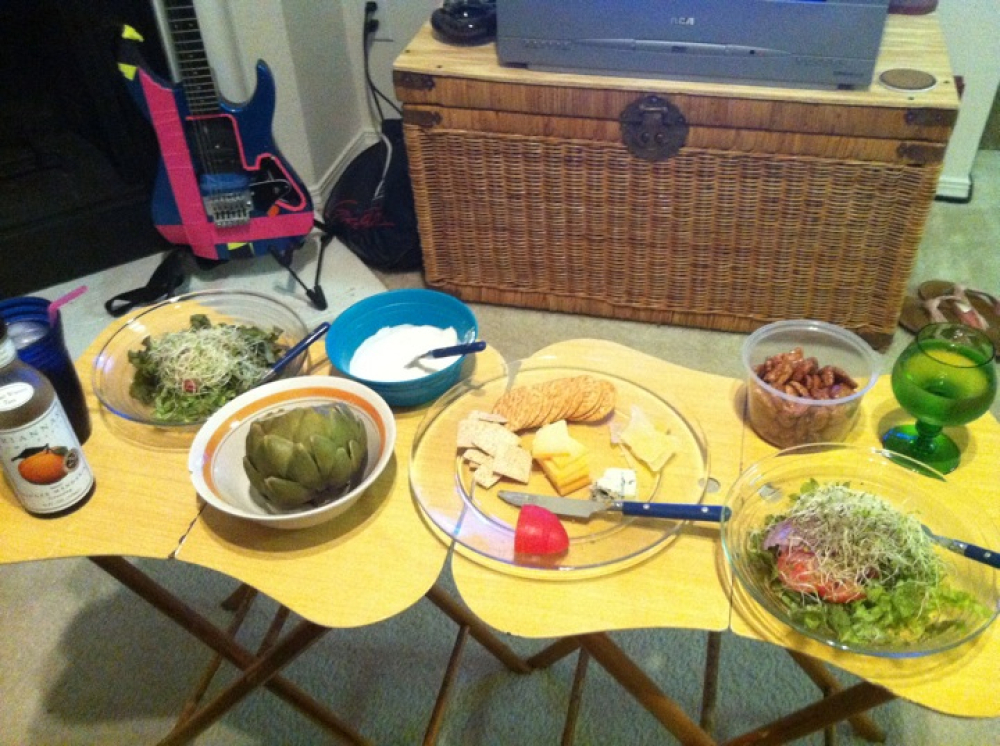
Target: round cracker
[[588, 394], [557, 394], [509, 405], [535, 407], [605, 403]]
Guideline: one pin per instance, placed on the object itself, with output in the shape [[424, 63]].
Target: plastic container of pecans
[[805, 381]]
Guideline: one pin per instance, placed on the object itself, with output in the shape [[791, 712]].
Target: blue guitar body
[[222, 187]]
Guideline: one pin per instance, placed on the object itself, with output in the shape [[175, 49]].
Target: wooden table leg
[[437, 714], [274, 629], [613, 660], [479, 630], [554, 652], [237, 598], [468, 624], [862, 724], [575, 697], [710, 683], [239, 603], [259, 673], [189, 619], [838, 706]]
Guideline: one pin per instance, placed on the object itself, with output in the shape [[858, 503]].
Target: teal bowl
[[395, 308]]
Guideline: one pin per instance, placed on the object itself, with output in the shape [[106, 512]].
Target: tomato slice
[[798, 571], [539, 531]]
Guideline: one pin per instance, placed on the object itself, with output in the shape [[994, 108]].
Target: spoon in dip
[[453, 351]]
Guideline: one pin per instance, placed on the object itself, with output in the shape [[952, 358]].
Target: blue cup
[[43, 346]]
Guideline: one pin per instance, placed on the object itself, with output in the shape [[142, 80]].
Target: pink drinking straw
[[55, 305]]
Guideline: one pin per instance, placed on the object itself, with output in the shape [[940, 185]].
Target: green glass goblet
[[945, 377]]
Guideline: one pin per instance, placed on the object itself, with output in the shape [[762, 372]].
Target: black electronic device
[[466, 21]]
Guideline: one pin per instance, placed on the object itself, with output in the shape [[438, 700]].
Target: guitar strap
[[166, 278]]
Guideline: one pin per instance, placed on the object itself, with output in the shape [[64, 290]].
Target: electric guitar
[[222, 187]]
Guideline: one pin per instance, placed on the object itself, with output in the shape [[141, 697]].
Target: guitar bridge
[[229, 209]]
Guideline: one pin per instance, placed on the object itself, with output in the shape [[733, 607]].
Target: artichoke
[[306, 455]]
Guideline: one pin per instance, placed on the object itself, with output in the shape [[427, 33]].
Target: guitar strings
[[192, 59]]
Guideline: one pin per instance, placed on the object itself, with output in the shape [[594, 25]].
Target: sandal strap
[[962, 301], [933, 311], [963, 309], [990, 299]]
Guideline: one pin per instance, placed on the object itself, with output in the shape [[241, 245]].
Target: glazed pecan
[[787, 422]]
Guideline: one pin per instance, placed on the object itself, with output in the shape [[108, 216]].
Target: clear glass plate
[[482, 524]]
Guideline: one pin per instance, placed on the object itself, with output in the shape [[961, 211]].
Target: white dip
[[385, 356]]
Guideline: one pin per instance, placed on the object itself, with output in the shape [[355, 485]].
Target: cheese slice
[[566, 473], [564, 488], [649, 445], [568, 480], [553, 440]]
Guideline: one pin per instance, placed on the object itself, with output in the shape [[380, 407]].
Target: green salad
[[187, 375], [851, 567]]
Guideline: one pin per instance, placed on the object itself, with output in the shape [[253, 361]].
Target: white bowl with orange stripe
[[215, 459]]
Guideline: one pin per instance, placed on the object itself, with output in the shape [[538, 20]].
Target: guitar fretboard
[[196, 74]]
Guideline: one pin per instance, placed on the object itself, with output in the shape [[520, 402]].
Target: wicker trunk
[[700, 204]]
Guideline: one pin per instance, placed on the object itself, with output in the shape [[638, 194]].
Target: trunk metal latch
[[653, 128]]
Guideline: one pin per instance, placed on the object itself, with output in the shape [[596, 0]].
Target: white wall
[[320, 121], [972, 33], [323, 117], [405, 17]]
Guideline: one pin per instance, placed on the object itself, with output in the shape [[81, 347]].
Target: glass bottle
[[42, 458]]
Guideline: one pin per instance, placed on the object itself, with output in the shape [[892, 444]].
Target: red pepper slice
[[798, 571], [539, 531]]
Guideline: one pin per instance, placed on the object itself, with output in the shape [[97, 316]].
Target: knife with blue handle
[[569, 507]]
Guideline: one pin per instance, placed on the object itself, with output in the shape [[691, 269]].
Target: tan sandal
[[918, 313], [986, 306], [940, 301]]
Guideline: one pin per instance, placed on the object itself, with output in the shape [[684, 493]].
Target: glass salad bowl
[[833, 541], [114, 374]]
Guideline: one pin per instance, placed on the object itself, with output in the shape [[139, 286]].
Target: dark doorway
[[77, 158]]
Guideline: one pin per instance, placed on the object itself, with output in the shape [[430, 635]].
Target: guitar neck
[[192, 61]]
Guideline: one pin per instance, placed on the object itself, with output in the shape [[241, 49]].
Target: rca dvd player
[[813, 43]]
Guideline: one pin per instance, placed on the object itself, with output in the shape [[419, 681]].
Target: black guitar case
[[371, 206]]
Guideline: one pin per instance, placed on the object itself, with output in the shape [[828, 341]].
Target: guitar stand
[[314, 294]]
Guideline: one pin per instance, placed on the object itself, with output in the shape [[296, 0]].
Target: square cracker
[[492, 437], [476, 457], [485, 477], [514, 463], [467, 430]]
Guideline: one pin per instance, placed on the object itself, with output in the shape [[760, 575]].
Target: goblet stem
[[926, 443]]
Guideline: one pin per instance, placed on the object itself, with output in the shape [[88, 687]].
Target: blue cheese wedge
[[615, 484]]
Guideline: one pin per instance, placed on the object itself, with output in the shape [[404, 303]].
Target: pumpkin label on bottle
[[44, 463]]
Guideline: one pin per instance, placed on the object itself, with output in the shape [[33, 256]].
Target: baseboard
[[954, 188], [361, 142]]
